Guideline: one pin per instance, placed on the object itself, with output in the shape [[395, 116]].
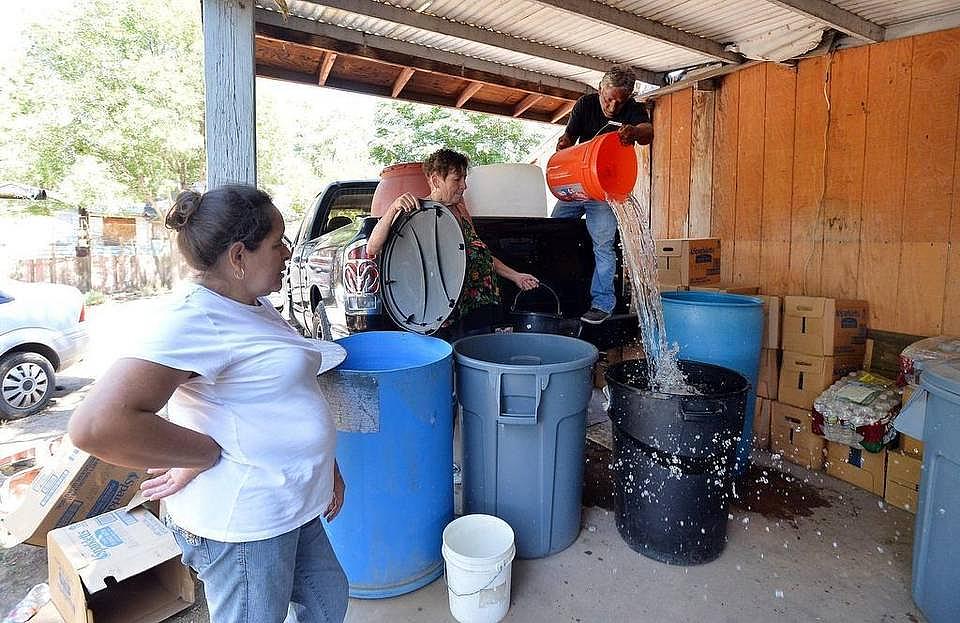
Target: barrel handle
[[698, 409], [513, 308], [525, 419]]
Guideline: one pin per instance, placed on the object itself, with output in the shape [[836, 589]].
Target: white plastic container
[[506, 190], [478, 551]]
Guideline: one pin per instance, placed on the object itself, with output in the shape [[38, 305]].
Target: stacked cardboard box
[[688, 261], [761, 423], [864, 469], [791, 436], [823, 339], [903, 480]]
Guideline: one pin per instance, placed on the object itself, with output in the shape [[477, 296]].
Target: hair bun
[[183, 208]]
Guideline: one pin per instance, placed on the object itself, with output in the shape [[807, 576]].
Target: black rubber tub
[[672, 460]]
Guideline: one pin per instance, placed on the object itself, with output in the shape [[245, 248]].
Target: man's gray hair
[[619, 77]]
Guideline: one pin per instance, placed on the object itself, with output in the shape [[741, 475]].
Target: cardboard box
[[70, 487], [804, 377], [791, 435], [903, 481], [768, 379], [857, 466], [771, 321], [911, 447], [120, 567], [688, 261], [820, 326], [761, 424], [746, 290]]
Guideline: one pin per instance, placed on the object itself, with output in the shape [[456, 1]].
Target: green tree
[[107, 102], [408, 132]]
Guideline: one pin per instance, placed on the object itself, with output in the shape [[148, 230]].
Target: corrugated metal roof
[[721, 21]]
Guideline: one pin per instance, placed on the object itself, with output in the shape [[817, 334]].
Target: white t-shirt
[[257, 395]]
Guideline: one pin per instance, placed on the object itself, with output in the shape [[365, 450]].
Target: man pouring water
[[611, 109]]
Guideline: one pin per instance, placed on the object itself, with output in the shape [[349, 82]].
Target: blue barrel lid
[[718, 299], [943, 378]]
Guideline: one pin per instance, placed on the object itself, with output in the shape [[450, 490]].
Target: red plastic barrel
[[395, 180], [600, 168]]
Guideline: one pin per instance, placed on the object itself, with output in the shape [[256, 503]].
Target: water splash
[[633, 217]]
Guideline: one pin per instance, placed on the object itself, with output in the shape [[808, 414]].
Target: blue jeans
[[602, 225], [291, 578]]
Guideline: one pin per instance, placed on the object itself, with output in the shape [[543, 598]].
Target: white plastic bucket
[[506, 190], [478, 551]]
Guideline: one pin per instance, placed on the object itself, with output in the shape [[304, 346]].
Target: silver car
[[42, 331]]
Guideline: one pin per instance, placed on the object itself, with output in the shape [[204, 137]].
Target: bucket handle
[[698, 409], [500, 567], [513, 308], [527, 419]]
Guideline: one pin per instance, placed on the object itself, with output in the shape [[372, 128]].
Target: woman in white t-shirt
[[246, 461]]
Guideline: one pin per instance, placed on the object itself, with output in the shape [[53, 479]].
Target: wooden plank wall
[[839, 177]]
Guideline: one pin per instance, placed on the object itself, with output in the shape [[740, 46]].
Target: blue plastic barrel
[[936, 549], [524, 400], [725, 330], [393, 401]]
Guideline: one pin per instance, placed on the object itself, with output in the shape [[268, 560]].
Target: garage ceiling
[[532, 59]]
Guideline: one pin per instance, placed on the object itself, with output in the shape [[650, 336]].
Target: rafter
[[405, 74], [562, 112], [432, 23], [469, 91], [835, 17], [632, 22], [526, 103], [325, 66]]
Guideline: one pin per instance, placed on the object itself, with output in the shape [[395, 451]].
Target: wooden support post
[[229, 72], [468, 92], [526, 103], [325, 66], [405, 74]]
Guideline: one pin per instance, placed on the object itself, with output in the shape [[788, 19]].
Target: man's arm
[[641, 133]]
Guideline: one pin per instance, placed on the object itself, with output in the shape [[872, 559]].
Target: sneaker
[[595, 316]]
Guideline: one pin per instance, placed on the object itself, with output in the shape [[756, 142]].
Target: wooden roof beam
[[432, 23], [402, 54], [469, 91], [325, 66], [526, 103], [835, 17], [562, 112], [650, 29], [405, 74]]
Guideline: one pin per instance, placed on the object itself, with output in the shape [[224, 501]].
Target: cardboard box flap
[[807, 306], [797, 362], [94, 549]]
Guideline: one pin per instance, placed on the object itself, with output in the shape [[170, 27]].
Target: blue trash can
[[393, 401], [725, 330], [524, 400], [936, 547]]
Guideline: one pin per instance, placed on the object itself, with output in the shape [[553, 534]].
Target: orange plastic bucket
[[600, 168]]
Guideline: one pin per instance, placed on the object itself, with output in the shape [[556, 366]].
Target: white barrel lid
[[422, 268], [943, 377]]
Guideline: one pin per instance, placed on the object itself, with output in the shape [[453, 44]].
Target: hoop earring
[[238, 274]]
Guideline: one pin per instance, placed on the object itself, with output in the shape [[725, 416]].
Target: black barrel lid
[[422, 266]]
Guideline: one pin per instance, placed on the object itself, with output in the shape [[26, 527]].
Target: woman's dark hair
[[208, 224], [443, 161]]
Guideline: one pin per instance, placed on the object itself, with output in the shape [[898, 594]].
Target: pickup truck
[[333, 287]]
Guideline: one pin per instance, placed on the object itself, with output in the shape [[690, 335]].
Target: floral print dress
[[480, 285]]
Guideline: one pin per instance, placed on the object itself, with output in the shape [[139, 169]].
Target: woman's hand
[[167, 481], [338, 489], [525, 281], [404, 203]]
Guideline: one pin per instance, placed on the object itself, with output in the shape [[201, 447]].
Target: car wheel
[[26, 384]]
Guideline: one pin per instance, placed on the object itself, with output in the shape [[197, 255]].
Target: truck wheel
[[26, 384]]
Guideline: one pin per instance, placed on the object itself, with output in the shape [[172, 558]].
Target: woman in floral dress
[[478, 310]]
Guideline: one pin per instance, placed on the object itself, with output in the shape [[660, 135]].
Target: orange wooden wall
[[837, 177]]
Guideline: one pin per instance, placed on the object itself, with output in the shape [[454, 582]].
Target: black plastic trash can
[[673, 460]]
